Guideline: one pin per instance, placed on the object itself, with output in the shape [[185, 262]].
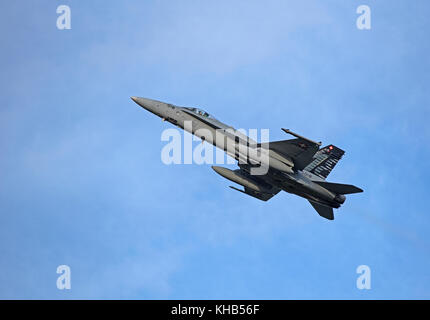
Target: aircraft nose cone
[[140, 101], [135, 99], [147, 104], [154, 106]]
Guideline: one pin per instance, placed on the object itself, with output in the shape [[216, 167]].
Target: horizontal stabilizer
[[323, 211], [339, 188], [259, 195]]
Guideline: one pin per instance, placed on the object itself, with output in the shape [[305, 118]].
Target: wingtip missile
[[301, 137]]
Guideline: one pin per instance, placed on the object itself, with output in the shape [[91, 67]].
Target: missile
[[239, 178], [301, 137]]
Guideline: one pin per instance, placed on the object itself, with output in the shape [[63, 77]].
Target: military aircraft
[[298, 166]]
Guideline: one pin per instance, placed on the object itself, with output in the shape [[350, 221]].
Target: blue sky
[[82, 182]]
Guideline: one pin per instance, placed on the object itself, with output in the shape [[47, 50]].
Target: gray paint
[[298, 166]]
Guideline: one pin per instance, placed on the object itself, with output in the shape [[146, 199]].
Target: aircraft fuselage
[[281, 173]]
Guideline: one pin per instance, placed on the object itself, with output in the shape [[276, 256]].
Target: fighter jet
[[299, 166]]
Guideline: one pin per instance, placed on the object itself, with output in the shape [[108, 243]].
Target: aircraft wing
[[301, 150]]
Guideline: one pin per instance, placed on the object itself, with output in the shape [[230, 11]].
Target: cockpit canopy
[[200, 112]]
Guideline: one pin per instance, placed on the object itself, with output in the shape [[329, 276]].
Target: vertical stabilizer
[[322, 210], [324, 161]]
